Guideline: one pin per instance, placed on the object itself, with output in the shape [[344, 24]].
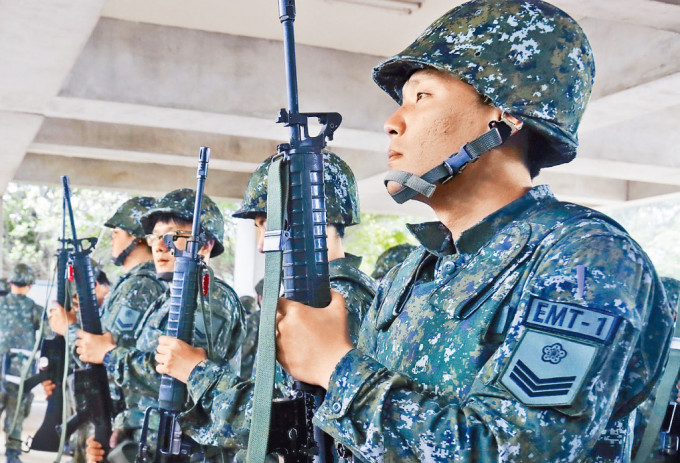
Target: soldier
[[19, 320], [133, 368], [138, 287], [390, 258], [522, 329]]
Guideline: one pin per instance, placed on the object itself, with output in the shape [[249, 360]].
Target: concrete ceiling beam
[[127, 176]]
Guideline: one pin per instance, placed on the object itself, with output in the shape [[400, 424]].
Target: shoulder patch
[[547, 370], [573, 320]]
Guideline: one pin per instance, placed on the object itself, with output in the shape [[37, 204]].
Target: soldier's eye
[[421, 95]]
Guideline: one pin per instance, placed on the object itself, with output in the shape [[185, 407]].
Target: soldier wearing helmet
[[19, 320], [358, 289], [342, 210], [522, 329], [138, 287], [218, 331]]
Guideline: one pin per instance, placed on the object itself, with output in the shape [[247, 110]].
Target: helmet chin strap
[[412, 185], [120, 258]]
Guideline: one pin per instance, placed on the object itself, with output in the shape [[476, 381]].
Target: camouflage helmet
[[531, 59], [180, 203], [128, 215], [4, 287], [22, 275], [342, 200], [389, 258]]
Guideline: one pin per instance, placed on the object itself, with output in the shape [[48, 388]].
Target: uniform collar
[[349, 259], [436, 238]]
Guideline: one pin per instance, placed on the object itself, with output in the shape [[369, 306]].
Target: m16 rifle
[[91, 388], [305, 266], [187, 278], [53, 353]]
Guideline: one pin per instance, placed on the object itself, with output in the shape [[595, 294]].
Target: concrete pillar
[[248, 262]]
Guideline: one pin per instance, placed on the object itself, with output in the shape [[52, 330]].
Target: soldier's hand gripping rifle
[[91, 388], [305, 268], [187, 280], [53, 354]]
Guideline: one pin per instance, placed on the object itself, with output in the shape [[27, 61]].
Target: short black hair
[[168, 217], [102, 279], [340, 228]]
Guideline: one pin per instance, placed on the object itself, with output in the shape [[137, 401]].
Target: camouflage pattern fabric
[[542, 327], [390, 258], [22, 275], [19, 320], [342, 200], [133, 369], [644, 411], [530, 58], [181, 204], [249, 304], [128, 300], [357, 288], [128, 215]]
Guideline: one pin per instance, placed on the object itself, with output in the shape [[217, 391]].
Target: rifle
[[91, 387], [305, 256], [52, 362], [172, 445]]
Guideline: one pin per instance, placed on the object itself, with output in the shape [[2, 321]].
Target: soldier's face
[[163, 259], [438, 115], [120, 239], [261, 228]]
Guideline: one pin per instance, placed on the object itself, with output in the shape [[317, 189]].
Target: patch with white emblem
[[547, 370], [572, 319]]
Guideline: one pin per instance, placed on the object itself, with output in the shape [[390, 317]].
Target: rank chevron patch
[[547, 370], [537, 387]]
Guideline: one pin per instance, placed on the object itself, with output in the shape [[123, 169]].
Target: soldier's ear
[[206, 249]]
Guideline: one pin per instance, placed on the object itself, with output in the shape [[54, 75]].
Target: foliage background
[[32, 224]]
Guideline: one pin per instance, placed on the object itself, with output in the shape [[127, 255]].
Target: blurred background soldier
[[19, 321], [390, 258]]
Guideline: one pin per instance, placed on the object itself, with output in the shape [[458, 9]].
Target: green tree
[[375, 234], [32, 225]]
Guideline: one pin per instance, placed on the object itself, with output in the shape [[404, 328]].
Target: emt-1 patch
[[547, 370]]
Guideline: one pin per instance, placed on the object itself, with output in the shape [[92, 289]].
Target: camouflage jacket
[[134, 369], [223, 400], [541, 327], [129, 298], [19, 320], [357, 288]]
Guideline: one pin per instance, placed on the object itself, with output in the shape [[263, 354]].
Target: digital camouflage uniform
[[221, 320], [389, 258], [225, 399], [543, 327], [19, 320], [134, 291], [536, 333], [342, 209], [644, 413]]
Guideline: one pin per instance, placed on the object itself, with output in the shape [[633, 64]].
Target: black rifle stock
[[305, 254], [91, 388], [172, 445], [53, 359]]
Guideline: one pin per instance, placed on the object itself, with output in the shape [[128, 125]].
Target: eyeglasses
[[179, 237]]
